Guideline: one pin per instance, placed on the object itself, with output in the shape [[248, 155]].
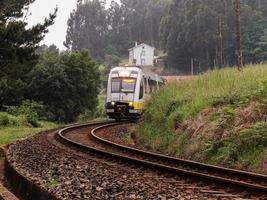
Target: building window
[[143, 53], [143, 61]]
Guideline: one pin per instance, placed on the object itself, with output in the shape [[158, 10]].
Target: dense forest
[[194, 30], [109, 32], [202, 31]]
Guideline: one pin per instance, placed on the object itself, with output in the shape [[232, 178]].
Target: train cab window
[[141, 93], [115, 85], [128, 85]]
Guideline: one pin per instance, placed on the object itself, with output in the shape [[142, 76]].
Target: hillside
[[218, 118]]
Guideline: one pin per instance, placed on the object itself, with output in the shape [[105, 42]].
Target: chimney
[[136, 44]]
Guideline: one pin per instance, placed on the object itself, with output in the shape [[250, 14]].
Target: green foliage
[[51, 183], [11, 133], [262, 90], [261, 49], [67, 84], [30, 109], [245, 148], [101, 108], [26, 108], [4, 120], [227, 90], [17, 49], [86, 116], [7, 120], [98, 113], [190, 31], [220, 87]]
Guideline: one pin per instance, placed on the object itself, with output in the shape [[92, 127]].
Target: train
[[127, 90]]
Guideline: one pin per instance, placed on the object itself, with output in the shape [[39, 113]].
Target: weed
[[51, 183], [30, 109], [245, 148]]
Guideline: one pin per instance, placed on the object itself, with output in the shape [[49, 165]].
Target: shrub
[[4, 120], [86, 116], [66, 83], [26, 107], [263, 87], [29, 109], [243, 148], [11, 120]]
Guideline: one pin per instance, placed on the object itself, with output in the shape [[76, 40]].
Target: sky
[[40, 9]]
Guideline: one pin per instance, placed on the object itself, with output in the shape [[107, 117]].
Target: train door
[[140, 95]]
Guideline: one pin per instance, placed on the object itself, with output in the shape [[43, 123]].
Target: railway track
[[243, 181]]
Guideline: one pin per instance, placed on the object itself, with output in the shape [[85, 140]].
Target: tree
[[17, 49], [261, 49], [67, 84], [202, 32], [87, 28], [238, 35], [110, 32]]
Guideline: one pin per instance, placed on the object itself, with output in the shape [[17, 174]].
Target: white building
[[141, 55]]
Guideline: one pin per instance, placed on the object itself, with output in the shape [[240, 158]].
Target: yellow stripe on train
[[138, 105]]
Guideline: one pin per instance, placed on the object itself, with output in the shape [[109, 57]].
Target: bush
[[66, 83], [4, 120], [86, 116], [244, 148], [10, 120], [26, 108], [29, 109]]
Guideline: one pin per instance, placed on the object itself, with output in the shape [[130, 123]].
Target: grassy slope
[[18, 130], [173, 109]]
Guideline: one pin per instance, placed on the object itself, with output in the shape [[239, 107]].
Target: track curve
[[255, 183]]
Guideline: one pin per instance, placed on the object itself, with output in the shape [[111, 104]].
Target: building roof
[[140, 46]]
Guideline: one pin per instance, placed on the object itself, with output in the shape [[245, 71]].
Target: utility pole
[[238, 36]]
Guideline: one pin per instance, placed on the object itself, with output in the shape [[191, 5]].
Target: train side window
[[115, 85], [150, 86], [141, 93], [145, 86]]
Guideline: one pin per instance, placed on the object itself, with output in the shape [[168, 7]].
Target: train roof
[[146, 71]]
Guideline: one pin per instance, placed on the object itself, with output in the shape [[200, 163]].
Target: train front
[[122, 93]]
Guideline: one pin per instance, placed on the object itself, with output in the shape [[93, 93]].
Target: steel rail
[[145, 162]]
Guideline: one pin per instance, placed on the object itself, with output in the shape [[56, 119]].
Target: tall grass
[[180, 101]]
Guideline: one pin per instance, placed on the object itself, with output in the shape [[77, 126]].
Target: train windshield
[[126, 85]]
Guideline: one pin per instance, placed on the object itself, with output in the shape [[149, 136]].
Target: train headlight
[[113, 103], [131, 104]]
